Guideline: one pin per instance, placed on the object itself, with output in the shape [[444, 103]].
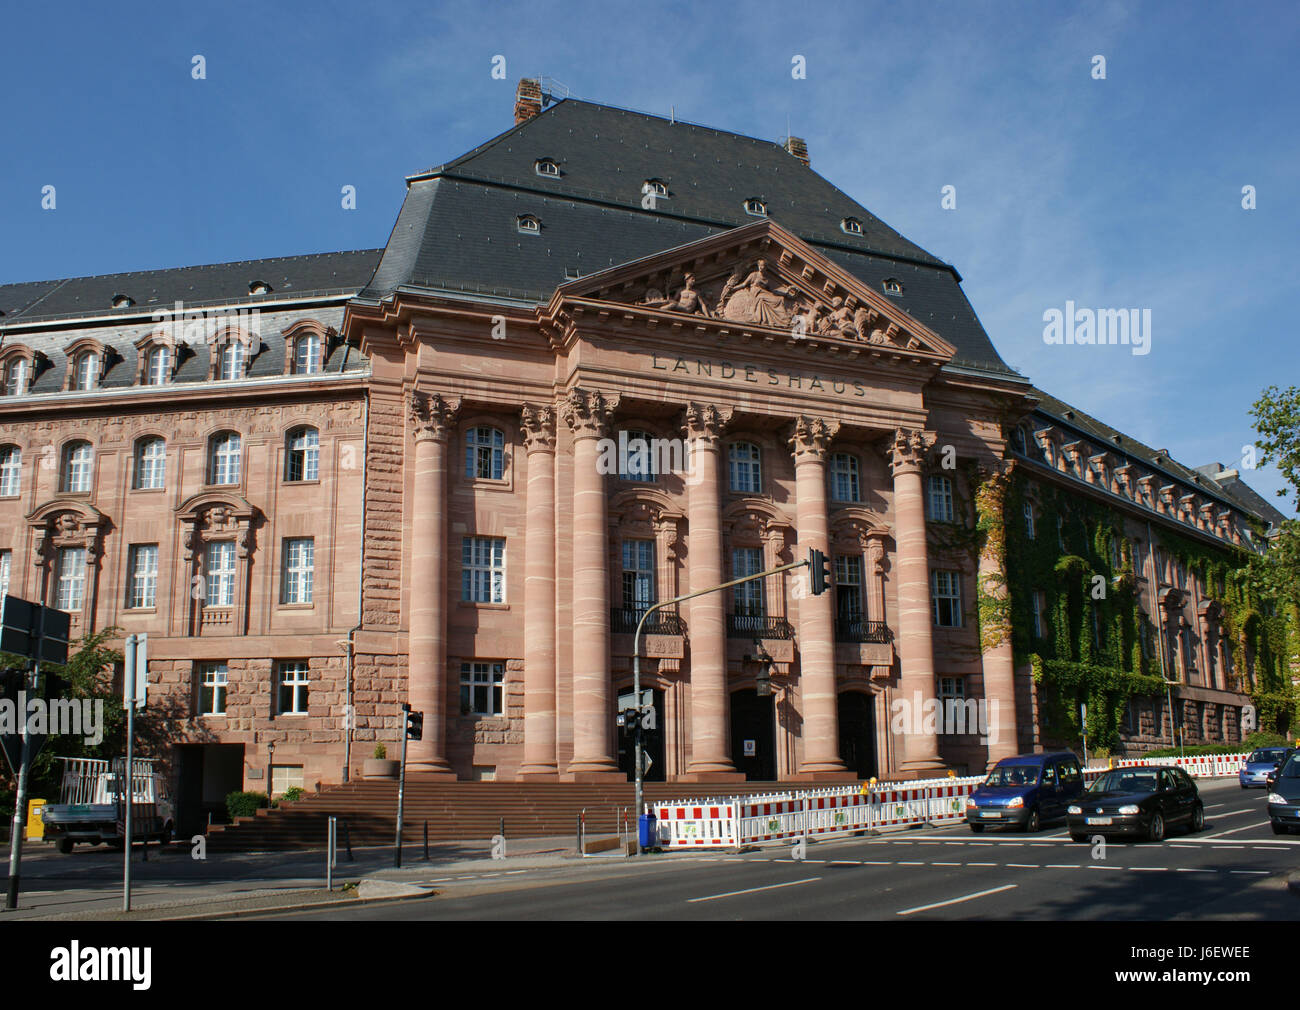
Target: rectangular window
[[212, 679], [746, 471], [483, 570], [284, 778], [845, 482], [952, 687], [1036, 603], [940, 499], [6, 559], [11, 469], [848, 587], [485, 453], [72, 578], [481, 688], [142, 578], [293, 688], [220, 562], [299, 563], [1029, 520], [945, 590], [750, 599], [638, 574], [637, 458]]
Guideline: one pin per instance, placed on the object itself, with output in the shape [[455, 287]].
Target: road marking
[[1064, 866], [1178, 845], [945, 864], [1096, 867], [1214, 806], [509, 873], [1252, 872], [1023, 866], [840, 862], [958, 901], [752, 890], [1193, 869], [1236, 813], [1233, 831], [981, 864], [1150, 869], [909, 863], [1228, 847], [877, 862]]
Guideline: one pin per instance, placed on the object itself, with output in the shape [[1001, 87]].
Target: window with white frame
[[482, 687], [952, 687], [846, 483], [1029, 520], [945, 591], [150, 464], [293, 688], [641, 463], [231, 364], [6, 560], [16, 378], [638, 574], [302, 456], [483, 569], [485, 453], [142, 576], [71, 586], [1060, 532], [11, 470], [78, 465], [87, 371], [306, 354], [158, 366], [746, 469], [940, 499], [299, 562], [1037, 603], [750, 599], [212, 682], [219, 562], [755, 207], [848, 587], [224, 456]]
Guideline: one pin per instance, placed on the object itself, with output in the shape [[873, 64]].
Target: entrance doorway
[[753, 735], [652, 741], [858, 732], [205, 773]]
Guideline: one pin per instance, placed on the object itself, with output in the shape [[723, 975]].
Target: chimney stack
[[528, 99], [797, 147]]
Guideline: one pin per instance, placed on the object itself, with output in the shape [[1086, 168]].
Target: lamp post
[[270, 771]]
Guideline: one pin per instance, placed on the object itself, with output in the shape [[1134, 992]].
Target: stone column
[[431, 417], [995, 626], [821, 728], [538, 424], [710, 702], [915, 620], [587, 415]]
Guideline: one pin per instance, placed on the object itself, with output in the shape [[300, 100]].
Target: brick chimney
[[528, 100], [797, 147]]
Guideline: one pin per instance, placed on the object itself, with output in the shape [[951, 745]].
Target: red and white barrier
[[1198, 766]]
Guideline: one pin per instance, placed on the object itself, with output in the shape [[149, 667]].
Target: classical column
[[710, 702], [995, 625], [915, 637], [431, 417], [587, 415], [538, 424], [821, 728]]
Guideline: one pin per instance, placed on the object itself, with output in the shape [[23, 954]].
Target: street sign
[[20, 629], [135, 677]]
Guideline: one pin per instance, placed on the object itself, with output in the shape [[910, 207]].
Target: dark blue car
[[1025, 791], [1254, 770]]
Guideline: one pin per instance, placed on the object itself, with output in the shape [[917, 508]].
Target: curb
[[306, 907]]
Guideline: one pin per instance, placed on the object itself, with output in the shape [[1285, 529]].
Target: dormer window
[[546, 167], [528, 224], [655, 186], [893, 286], [306, 354], [16, 377], [86, 371], [158, 367], [851, 226], [259, 288], [231, 365], [123, 301], [755, 207]]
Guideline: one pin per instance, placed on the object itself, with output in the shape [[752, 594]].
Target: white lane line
[[1024, 866], [877, 862], [958, 901], [845, 862], [1194, 869], [1150, 869], [752, 890], [1233, 831], [1064, 866], [909, 863], [945, 864], [1217, 847], [981, 864], [511, 873], [1096, 867], [1178, 845], [1236, 813], [1263, 873], [1214, 806]]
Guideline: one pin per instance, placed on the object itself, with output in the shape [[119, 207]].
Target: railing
[[758, 626], [661, 622], [857, 630]]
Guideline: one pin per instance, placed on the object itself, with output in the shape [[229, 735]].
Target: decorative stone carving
[[704, 421], [431, 415], [538, 425], [757, 300], [587, 412], [688, 300], [812, 436], [909, 449]]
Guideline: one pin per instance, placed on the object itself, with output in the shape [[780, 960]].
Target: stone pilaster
[[995, 619], [538, 426]]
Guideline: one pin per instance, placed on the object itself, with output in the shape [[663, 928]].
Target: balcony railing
[[757, 626], [856, 630], [623, 621]]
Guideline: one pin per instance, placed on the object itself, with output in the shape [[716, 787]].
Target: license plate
[[990, 814], [1098, 820]]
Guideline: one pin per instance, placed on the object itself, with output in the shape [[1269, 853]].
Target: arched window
[[11, 470], [746, 469], [528, 224], [78, 464], [755, 207], [851, 226], [485, 453], [224, 452], [306, 354], [87, 375], [158, 371], [150, 463], [302, 455], [232, 361], [846, 484], [16, 377], [547, 167]]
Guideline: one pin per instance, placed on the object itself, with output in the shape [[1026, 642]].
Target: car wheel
[[1198, 819], [1032, 823], [1279, 829], [976, 828], [65, 845], [1156, 829]]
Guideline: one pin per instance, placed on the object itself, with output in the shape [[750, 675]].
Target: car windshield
[[1126, 781], [1013, 775], [1291, 770], [1261, 756]]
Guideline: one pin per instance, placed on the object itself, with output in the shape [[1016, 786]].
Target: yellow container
[[35, 825]]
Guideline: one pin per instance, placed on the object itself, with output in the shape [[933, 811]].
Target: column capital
[[431, 415], [538, 424], [704, 421], [812, 437], [587, 412], [908, 449]]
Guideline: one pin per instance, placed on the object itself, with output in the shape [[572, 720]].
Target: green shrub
[[1257, 739], [381, 752], [245, 804], [292, 794]]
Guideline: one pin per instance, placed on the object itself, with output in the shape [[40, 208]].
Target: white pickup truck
[[91, 807]]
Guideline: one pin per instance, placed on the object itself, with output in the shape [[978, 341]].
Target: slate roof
[[457, 231], [1251, 500]]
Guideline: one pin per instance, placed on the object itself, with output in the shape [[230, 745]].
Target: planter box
[[380, 768]]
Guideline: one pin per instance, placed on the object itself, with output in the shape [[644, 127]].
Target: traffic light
[[819, 572], [414, 725]]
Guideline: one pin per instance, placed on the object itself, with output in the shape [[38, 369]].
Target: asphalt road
[[1234, 869]]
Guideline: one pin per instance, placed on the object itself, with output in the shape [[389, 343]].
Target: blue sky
[[1116, 193]]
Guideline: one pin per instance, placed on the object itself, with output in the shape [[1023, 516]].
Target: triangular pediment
[[759, 277]]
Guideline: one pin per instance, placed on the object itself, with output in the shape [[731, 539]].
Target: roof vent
[[798, 148], [123, 301], [528, 99], [259, 288]]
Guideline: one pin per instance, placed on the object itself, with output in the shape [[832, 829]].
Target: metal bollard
[[331, 842], [347, 840]]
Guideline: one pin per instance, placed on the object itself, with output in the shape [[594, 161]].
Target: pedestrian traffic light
[[414, 725], [819, 572]]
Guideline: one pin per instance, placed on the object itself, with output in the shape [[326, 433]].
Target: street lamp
[[270, 771]]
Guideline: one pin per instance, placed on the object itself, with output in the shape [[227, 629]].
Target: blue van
[[1025, 791]]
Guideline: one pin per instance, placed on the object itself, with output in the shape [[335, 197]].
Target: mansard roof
[[458, 231]]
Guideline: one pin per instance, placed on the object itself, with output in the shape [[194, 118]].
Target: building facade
[[605, 360]]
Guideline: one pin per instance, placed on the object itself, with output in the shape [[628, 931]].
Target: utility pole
[[20, 801]]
